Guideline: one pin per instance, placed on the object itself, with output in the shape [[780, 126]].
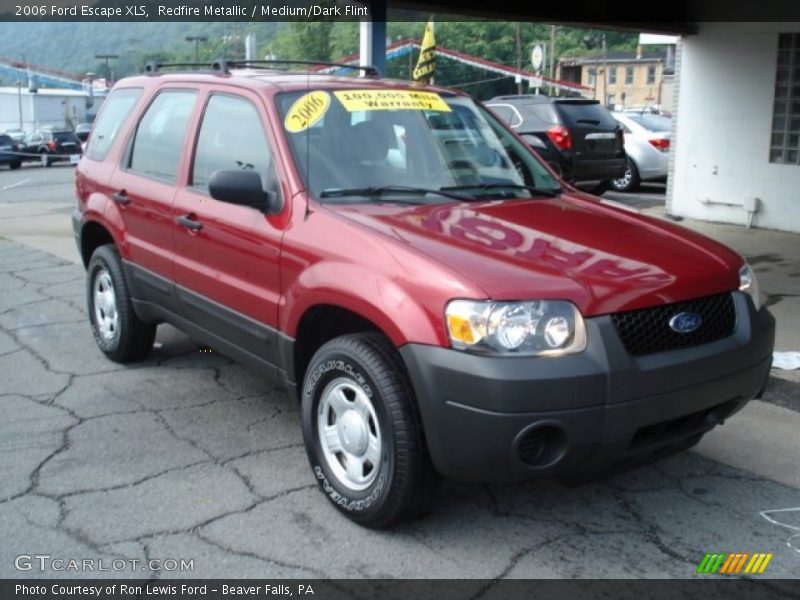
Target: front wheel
[[15, 165], [362, 431]]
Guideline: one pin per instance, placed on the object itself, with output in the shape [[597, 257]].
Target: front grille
[[647, 331]]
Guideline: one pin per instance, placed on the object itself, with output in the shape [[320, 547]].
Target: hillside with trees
[[73, 46]]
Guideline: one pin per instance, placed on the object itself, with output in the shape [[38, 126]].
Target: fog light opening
[[541, 445]]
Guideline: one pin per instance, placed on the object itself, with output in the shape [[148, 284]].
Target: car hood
[[603, 258]]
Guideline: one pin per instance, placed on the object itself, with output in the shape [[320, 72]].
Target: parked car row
[[44, 145], [586, 144]]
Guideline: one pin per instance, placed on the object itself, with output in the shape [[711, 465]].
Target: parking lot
[[189, 456]]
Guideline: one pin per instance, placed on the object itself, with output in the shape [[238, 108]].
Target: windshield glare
[[339, 143]]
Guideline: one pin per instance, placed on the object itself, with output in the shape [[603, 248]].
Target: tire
[[356, 387], [630, 179], [119, 333], [15, 165]]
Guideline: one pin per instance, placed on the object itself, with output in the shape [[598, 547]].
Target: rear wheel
[[362, 431], [119, 333], [630, 178], [15, 165]]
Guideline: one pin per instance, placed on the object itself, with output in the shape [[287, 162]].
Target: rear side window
[[652, 122], [538, 117], [507, 114], [4, 139], [586, 114], [158, 144], [232, 138], [116, 109], [64, 136]]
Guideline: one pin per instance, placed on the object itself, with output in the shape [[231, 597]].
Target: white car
[[647, 143]]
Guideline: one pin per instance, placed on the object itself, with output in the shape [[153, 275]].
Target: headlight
[[537, 328], [749, 284]]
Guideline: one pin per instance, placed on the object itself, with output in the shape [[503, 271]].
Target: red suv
[[439, 301]]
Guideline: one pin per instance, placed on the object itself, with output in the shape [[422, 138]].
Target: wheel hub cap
[[352, 433], [349, 434], [105, 305]]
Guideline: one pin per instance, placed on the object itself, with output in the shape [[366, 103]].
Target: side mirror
[[243, 188]]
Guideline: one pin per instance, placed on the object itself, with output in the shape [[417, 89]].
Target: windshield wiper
[[389, 189], [548, 192]]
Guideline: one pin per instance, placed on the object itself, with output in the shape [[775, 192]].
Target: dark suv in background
[[578, 138], [51, 146]]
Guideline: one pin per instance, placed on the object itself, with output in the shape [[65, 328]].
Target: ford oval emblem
[[685, 322]]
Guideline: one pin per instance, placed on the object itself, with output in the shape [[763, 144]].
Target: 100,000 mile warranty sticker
[[357, 100]]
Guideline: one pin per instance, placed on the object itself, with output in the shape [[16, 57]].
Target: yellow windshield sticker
[[357, 100], [306, 111]]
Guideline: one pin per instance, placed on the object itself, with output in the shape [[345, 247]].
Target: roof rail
[[223, 65], [368, 70]]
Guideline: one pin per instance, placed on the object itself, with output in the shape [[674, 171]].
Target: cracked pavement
[[188, 455]]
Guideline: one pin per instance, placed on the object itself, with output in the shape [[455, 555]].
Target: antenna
[[308, 155]]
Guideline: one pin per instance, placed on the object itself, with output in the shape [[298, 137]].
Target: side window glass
[[158, 144], [232, 138], [115, 110]]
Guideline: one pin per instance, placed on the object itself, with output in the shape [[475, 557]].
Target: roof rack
[[222, 65]]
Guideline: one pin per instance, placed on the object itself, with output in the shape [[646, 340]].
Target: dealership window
[[628, 75], [612, 75], [611, 101], [651, 75], [785, 141]]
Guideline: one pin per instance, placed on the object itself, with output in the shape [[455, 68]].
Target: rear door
[[144, 189], [595, 133]]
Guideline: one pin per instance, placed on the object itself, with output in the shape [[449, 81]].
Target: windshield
[[351, 143]]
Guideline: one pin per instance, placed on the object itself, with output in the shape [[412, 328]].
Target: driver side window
[[232, 138]]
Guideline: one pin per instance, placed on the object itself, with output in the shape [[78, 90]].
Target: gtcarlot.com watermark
[[58, 564]]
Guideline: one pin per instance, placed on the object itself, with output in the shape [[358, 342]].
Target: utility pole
[[605, 72], [519, 58], [196, 39], [107, 57], [553, 51]]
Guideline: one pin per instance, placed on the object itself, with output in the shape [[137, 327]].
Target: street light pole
[[196, 39]]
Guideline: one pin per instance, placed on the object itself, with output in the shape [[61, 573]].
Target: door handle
[[121, 197], [189, 223]]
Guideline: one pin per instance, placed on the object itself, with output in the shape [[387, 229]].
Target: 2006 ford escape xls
[[440, 302]]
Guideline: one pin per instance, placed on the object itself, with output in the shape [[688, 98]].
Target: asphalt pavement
[[188, 456]]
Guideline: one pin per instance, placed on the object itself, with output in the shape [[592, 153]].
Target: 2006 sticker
[[306, 111]]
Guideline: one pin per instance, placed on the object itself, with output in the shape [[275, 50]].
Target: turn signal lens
[[460, 329]]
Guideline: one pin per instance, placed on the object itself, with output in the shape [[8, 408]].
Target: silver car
[[647, 142]]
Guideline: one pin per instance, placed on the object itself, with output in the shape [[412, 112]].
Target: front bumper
[[499, 419]]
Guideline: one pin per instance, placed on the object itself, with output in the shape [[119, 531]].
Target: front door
[[227, 256]]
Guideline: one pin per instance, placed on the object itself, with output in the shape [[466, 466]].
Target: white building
[[736, 145], [46, 107]]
